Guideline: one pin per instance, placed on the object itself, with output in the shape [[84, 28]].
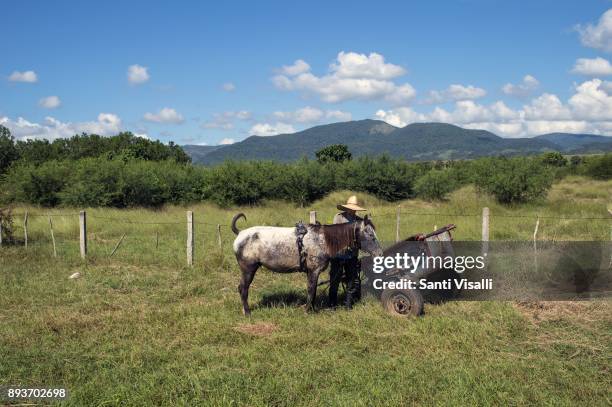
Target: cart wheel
[[402, 302]]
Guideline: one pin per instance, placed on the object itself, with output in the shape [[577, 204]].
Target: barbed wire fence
[[83, 237]]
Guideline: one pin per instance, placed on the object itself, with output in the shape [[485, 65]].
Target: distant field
[[141, 327]]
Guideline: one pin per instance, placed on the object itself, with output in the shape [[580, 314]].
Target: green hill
[[417, 141], [579, 142]]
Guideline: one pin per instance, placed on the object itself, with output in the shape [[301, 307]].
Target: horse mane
[[338, 237]]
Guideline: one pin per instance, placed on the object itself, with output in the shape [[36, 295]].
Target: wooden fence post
[[313, 217], [535, 244], [83, 233], [610, 212], [52, 237], [25, 229], [535, 234], [219, 237], [156, 239], [397, 224], [190, 245], [485, 231]]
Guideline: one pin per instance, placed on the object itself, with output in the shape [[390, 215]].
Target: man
[[346, 263]]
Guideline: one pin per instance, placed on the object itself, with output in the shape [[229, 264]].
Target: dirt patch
[[542, 311], [260, 329]]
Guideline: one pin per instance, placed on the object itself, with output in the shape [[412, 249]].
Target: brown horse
[[276, 249]]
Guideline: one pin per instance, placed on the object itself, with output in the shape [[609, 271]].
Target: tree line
[[124, 146], [126, 171]]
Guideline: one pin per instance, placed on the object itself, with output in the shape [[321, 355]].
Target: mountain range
[[414, 142]]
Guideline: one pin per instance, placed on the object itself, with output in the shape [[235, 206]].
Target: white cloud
[[137, 74], [50, 102], [107, 124], [496, 117], [592, 67], [536, 127], [229, 87], [523, 89], [592, 101], [588, 110], [598, 36], [455, 92], [298, 67], [373, 66], [304, 115], [165, 115], [400, 116], [338, 115], [142, 135], [351, 77], [226, 141], [25, 76], [267, 129], [546, 107], [311, 115], [225, 120]]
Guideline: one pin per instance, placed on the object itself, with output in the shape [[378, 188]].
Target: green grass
[[142, 328]]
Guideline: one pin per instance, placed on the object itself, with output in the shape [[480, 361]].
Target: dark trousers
[[346, 270]]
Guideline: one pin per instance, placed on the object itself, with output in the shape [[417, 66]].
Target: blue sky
[[206, 74]]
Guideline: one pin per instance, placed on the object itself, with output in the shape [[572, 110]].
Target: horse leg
[[248, 272], [313, 281]]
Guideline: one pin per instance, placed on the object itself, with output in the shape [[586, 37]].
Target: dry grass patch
[[257, 329], [545, 311]]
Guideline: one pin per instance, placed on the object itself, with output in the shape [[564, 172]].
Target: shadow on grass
[[291, 298]]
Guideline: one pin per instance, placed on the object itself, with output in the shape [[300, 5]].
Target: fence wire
[[65, 238], [375, 214]]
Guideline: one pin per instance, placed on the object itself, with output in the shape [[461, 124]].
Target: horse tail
[[234, 219]]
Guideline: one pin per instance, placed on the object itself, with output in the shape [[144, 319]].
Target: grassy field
[[142, 328]]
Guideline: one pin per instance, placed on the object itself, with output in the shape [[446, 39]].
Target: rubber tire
[[403, 303]]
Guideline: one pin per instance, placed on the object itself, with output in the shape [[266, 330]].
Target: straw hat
[[351, 204]]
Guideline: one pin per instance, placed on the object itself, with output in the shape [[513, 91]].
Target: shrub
[[96, 182], [184, 183], [515, 180], [384, 177], [38, 185], [576, 160], [8, 151], [6, 221], [333, 153], [435, 185], [246, 183], [307, 181], [554, 159], [599, 167], [142, 185]]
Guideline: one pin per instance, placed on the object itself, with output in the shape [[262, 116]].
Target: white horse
[[276, 248]]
